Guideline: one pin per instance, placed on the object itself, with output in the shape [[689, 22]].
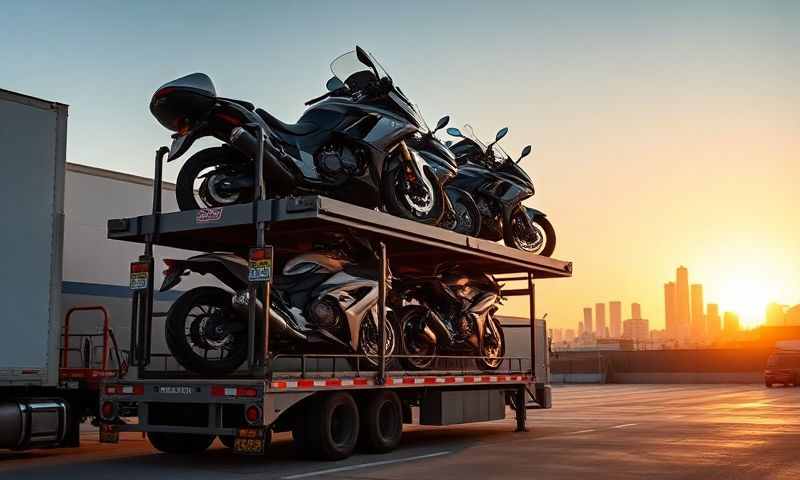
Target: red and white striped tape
[[306, 384]]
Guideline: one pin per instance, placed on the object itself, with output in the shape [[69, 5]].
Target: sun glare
[[747, 294]]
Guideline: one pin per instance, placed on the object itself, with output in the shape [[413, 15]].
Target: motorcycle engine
[[339, 161], [325, 312]]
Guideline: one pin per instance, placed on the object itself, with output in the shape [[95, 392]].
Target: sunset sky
[[664, 133]]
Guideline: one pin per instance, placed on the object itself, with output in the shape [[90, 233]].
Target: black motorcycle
[[352, 144], [499, 186], [452, 312], [324, 302]]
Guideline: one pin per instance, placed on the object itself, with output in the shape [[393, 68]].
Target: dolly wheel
[[329, 430], [381, 422], [181, 443]]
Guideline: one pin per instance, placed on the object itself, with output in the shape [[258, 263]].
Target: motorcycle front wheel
[[418, 200], [493, 348], [541, 241], [204, 333], [202, 178], [369, 339], [464, 218]]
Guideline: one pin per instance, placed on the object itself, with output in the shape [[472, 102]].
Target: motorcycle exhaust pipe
[[277, 322], [439, 328], [246, 143]]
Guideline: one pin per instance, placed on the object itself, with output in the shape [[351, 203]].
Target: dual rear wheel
[[331, 426]]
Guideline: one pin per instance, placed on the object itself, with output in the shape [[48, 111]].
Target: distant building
[[600, 320], [731, 324], [775, 315], [682, 314], [569, 335], [698, 317], [670, 310], [587, 320], [615, 318], [636, 310], [792, 316], [713, 327], [558, 335], [636, 329]]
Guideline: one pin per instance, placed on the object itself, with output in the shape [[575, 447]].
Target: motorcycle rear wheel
[[411, 323], [195, 188], [465, 217]]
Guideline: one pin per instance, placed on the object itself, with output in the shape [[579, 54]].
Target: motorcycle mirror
[[525, 152], [454, 132], [500, 134], [442, 123], [364, 58], [334, 84]]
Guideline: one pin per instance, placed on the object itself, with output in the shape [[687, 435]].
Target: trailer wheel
[[180, 443], [331, 427], [382, 422]]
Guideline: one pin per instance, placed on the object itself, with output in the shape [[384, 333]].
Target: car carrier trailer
[[326, 401], [51, 362]]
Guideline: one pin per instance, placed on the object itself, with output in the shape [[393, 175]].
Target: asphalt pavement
[[595, 432]]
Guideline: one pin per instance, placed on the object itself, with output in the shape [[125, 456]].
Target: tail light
[[252, 414], [108, 411]]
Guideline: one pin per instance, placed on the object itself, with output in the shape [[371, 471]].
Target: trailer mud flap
[[251, 441]]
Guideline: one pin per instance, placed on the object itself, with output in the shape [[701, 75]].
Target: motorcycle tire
[[408, 345], [177, 339], [185, 193], [396, 206], [467, 216], [482, 362], [549, 245]]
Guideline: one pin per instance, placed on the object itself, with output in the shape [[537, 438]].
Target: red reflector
[[107, 410], [124, 389], [138, 267], [221, 391], [252, 414], [164, 91]]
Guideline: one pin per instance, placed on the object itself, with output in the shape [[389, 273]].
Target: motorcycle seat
[[299, 129]]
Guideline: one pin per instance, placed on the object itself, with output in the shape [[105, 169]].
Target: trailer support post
[[382, 315], [532, 315], [521, 409], [256, 359]]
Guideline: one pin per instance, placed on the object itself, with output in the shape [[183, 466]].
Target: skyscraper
[[713, 327], [636, 311], [587, 321], [682, 302], [636, 329], [600, 320], [698, 318], [731, 322], [615, 318], [775, 314], [670, 310]]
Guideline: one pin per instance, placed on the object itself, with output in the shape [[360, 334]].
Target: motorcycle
[[499, 186], [352, 144], [323, 301], [452, 311]]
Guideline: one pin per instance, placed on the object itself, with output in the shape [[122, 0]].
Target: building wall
[[600, 320], [615, 318]]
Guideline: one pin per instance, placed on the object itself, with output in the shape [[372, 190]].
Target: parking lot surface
[[597, 431]]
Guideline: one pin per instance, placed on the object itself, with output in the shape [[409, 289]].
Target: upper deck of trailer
[[294, 223]]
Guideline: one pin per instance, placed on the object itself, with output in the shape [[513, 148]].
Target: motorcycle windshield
[[350, 71], [469, 133]]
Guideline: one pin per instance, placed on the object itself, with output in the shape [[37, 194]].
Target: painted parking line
[[625, 425], [582, 431], [364, 465]]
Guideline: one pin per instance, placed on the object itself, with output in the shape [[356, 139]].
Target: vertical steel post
[[532, 314], [146, 307], [382, 316], [252, 289]]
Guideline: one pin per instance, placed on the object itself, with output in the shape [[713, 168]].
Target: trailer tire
[[179, 443], [331, 427], [381, 422]]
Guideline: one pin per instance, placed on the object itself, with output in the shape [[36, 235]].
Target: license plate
[[249, 441], [109, 434], [260, 265], [139, 276]]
